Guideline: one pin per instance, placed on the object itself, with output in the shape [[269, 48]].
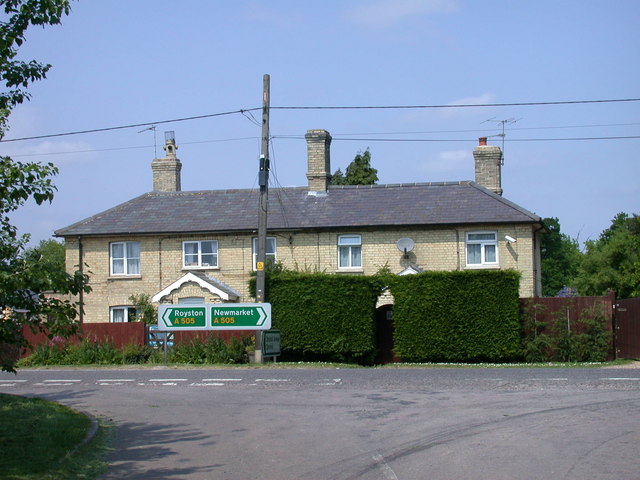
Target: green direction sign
[[219, 316], [174, 317], [239, 316]]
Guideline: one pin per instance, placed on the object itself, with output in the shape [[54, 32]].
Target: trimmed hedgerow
[[461, 316], [324, 316]]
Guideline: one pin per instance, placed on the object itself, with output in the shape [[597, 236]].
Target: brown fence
[[129, 333], [120, 334], [627, 323], [550, 309]]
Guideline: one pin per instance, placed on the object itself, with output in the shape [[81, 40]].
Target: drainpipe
[[81, 267]]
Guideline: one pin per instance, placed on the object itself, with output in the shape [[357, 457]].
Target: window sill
[[124, 277], [187, 269], [483, 267], [350, 270]]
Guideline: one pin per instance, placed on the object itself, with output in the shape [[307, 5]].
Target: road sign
[[248, 315], [175, 317], [219, 316], [270, 343]]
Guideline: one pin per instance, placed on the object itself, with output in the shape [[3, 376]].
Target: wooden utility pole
[[263, 180]]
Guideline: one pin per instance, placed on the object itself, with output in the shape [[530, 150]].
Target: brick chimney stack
[[488, 162], [166, 171], [318, 161]]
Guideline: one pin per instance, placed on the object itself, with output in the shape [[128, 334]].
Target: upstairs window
[[125, 258], [482, 249], [349, 251], [200, 254], [270, 251]]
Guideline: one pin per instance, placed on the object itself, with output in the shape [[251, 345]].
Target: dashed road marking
[[114, 381], [221, 379]]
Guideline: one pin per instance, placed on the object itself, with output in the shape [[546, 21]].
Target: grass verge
[[43, 440]]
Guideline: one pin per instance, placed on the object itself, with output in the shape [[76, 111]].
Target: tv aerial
[[508, 121], [405, 245], [155, 143]]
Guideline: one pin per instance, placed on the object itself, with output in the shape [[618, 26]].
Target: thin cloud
[[385, 13], [56, 152], [483, 99], [448, 162]]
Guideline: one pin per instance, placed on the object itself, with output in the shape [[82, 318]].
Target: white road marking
[[273, 380], [62, 380], [387, 471], [329, 381], [221, 379], [622, 379], [11, 383], [168, 379], [116, 380], [207, 384]]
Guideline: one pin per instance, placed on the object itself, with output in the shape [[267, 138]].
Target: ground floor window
[[122, 314]]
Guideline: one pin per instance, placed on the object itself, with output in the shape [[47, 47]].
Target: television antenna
[[508, 121], [155, 143]]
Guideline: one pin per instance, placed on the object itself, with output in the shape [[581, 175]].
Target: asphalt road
[[383, 424]]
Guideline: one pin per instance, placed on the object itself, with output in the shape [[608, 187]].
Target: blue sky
[[123, 62]]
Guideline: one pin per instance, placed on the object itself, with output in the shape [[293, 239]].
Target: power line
[[127, 148], [292, 137], [335, 107], [135, 125], [460, 105]]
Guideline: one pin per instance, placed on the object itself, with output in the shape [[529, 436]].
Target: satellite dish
[[405, 245]]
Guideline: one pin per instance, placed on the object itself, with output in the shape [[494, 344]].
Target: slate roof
[[292, 208]]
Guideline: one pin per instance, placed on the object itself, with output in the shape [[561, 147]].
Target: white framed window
[[122, 314], [270, 250], [482, 249], [349, 251], [125, 258], [200, 254]]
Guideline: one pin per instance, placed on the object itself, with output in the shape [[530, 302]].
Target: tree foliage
[[359, 172], [612, 262], [560, 259], [23, 278]]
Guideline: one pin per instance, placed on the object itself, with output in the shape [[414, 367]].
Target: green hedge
[[321, 316], [461, 316]]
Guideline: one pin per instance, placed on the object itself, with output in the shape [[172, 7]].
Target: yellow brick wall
[[161, 260]]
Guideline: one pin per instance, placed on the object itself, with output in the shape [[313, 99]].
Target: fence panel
[[551, 309], [628, 328], [120, 334]]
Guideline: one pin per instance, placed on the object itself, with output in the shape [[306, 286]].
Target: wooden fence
[[128, 333], [549, 310]]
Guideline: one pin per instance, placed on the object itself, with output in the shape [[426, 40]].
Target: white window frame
[[485, 250], [344, 244], [199, 254], [270, 256], [126, 259], [127, 312]]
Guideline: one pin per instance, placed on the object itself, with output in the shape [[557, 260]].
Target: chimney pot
[[482, 141], [166, 171]]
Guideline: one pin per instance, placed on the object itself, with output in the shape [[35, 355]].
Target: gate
[[628, 328]]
